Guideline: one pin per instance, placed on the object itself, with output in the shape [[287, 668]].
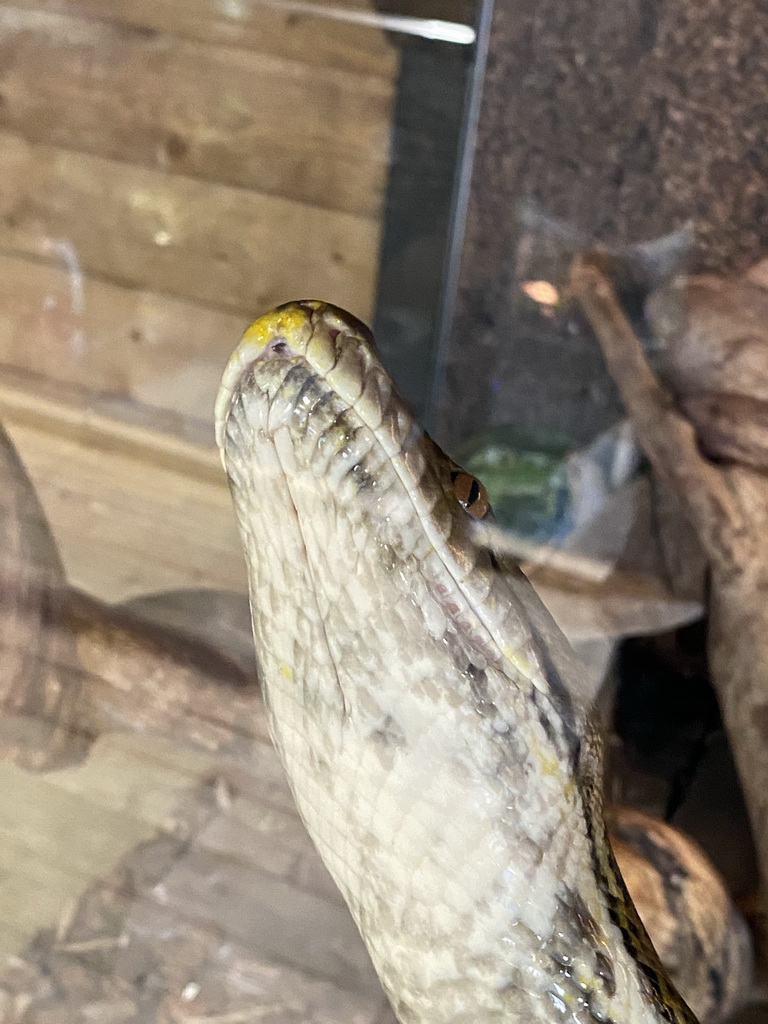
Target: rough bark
[[727, 504]]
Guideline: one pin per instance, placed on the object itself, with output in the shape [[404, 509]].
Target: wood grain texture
[[255, 27], [38, 692], [126, 527], [226, 246], [148, 349], [106, 426], [304, 35], [316, 134]]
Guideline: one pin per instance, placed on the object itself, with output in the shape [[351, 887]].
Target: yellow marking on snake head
[[291, 323], [284, 321]]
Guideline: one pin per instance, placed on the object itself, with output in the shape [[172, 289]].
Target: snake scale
[[426, 708]]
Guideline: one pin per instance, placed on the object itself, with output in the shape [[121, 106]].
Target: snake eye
[[470, 494]]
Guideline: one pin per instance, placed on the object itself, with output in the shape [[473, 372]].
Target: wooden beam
[[127, 524], [274, 27], [84, 424], [314, 134], [103, 341], [261, 28], [213, 243]]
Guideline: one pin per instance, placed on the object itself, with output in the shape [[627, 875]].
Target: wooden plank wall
[[167, 170]]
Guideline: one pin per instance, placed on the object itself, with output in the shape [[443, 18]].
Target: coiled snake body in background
[[426, 708]]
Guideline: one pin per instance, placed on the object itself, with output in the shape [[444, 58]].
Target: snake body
[[425, 706]]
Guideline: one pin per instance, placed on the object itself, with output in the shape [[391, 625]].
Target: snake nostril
[[278, 347]]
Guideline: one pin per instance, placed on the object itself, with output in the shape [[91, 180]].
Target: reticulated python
[[425, 706]]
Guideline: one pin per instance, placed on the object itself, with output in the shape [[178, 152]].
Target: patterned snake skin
[[424, 704]]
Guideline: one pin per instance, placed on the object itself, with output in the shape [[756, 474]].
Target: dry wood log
[[714, 358], [317, 135], [207, 242], [73, 668], [138, 676], [727, 504]]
